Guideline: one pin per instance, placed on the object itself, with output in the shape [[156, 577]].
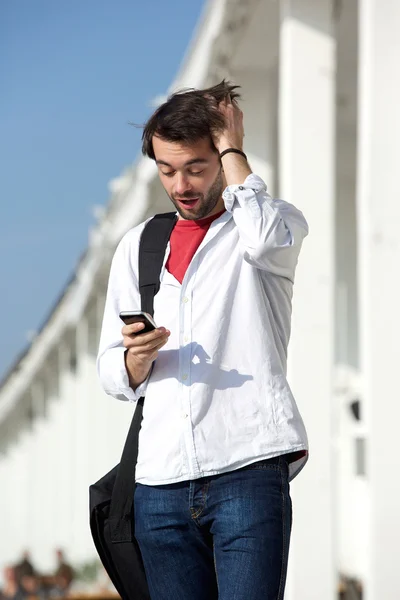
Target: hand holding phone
[[143, 342], [142, 345]]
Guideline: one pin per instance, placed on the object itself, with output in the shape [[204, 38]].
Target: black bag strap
[[153, 243]]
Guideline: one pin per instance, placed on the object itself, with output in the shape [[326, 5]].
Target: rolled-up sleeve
[[122, 295], [114, 378], [271, 231]]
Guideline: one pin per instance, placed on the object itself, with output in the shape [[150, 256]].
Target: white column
[[67, 475], [259, 89], [379, 252], [39, 476], [10, 532], [82, 449], [113, 417], [307, 172], [63, 473], [38, 398]]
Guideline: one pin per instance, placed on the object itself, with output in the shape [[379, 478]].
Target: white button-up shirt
[[217, 398]]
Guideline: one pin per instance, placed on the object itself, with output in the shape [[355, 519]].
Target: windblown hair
[[188, 116]]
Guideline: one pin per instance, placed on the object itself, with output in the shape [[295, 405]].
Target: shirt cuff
[[114, 376], [128, 392], [252, 183], [141, 389]]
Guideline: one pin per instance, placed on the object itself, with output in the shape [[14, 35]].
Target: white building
[[321, 86]]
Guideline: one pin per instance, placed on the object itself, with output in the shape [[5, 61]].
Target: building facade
[[321, 90]]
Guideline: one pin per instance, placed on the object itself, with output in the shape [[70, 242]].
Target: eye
[[168, 174], [196, 172]]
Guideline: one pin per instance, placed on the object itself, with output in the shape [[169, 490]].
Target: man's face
[[191, 176]]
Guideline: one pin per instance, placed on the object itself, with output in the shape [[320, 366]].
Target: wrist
[[136, 369], [233, 151], [236, 168], [225, 145]]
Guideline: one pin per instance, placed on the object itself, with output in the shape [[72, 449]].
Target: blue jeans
[[224, 537]]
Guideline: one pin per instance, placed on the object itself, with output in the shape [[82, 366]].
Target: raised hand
[[233, 134]]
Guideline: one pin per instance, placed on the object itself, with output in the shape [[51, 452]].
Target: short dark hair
[[188, 116]]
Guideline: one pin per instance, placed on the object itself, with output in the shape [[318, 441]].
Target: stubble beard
[[206, 203]]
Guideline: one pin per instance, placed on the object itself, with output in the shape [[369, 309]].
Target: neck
[[219, 207]]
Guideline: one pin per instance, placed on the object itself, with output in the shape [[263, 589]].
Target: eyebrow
[[187, 164]]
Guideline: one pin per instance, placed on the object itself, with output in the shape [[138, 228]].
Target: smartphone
[[138, 316]]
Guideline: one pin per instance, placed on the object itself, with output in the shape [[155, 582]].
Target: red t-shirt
[[185, 238]]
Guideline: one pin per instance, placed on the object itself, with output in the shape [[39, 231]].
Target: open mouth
[[191, 203]]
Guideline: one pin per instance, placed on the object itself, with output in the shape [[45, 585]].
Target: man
[[11, 589], [25, 567], [63, 576], [221, 434]]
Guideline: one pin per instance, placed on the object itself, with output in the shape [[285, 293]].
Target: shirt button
[[185, 299], [184, 377], [241, 187], [185, 416]]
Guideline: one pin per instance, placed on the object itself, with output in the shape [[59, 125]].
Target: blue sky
[[72, 74]]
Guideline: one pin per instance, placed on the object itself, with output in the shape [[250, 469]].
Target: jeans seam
[[196, 514], [215, 567], [282, 578]]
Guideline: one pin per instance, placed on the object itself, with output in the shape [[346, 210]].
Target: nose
[[182, 185]]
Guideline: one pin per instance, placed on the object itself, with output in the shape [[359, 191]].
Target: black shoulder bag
[[111, 498]]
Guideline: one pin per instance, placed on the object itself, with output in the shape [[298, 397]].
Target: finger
[[132, 328], [232, 101], [156, 349], [136, 328], [146, 355], [227, 108], [149, 342], [139, 345]]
